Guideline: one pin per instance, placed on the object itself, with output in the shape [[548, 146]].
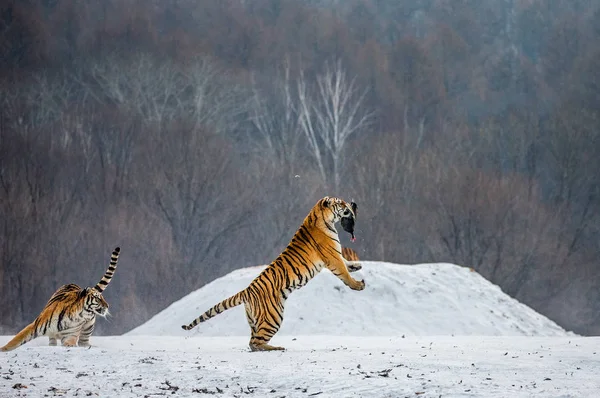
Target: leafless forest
[[197, 134]]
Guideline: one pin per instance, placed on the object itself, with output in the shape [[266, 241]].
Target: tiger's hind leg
[[258, 342], [264, 323]]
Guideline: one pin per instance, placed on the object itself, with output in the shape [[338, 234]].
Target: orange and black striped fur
[[349, 254], [315, 245], [70, 314]]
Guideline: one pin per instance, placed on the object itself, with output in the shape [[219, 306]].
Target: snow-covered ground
[[312, 366], [435, 330], [423, 300]]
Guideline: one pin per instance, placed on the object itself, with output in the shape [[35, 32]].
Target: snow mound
[[422, 300]]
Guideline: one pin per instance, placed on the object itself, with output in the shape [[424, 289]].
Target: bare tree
[[330, 116], [154, 89], [213, 98], [38, 204], [385, 180], [274, 119], [196, 189]]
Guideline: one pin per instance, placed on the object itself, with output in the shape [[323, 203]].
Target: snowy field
[[432, 330], [313, 366]]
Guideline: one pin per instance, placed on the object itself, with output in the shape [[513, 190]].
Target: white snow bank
[[422, 300]]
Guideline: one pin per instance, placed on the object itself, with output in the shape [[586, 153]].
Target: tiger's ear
[[84, 292], [326, 201]]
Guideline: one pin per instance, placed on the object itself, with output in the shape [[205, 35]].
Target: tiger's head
[[94, 302], [343, 211]]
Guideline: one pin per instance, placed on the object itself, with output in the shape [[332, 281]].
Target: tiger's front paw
[[70, 341], [359, 285], [354, 266]]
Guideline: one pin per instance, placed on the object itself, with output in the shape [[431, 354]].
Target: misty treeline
[[196, 135]]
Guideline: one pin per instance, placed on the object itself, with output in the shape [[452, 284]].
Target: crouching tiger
[[315, 245], [70, 314]]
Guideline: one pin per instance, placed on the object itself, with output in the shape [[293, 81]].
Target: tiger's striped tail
[[226, 304], [25, 335], [100, 286]]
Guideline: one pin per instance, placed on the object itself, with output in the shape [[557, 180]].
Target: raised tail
[[100, 286], [25, 335], [226, 304]]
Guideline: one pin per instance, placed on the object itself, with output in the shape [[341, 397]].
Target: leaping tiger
[[70, 314], [315, 245]]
